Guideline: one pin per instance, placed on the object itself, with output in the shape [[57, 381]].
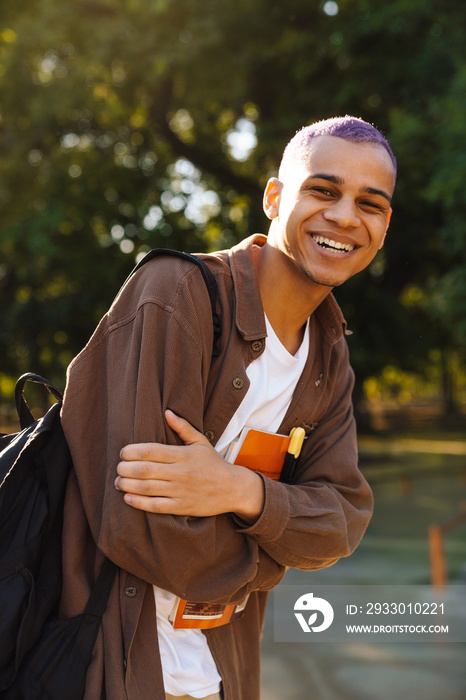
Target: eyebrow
[[339, 181]]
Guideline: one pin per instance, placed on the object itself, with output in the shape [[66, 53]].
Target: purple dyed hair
[[349, 128]]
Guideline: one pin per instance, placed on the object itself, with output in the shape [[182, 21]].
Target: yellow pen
[[297, 436]]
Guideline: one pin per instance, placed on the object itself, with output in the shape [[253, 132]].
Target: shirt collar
[[250, 319]]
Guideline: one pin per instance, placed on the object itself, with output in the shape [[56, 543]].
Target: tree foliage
[[120, 122]]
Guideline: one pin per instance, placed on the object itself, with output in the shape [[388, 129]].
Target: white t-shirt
[[187, 663]]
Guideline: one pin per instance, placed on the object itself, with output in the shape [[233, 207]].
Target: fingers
[[152, 504], [142, 487], [160, 478], [157, 496], [150, 452], [152, 495], [185, 430], [144, 469], [157, 452]]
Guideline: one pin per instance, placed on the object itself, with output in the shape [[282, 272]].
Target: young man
[[149, 414]]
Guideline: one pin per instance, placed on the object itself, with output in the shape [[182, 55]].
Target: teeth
[[344, 247]]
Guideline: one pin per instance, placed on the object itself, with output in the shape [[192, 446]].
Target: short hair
[[349, 128]]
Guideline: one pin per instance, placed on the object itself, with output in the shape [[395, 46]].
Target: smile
[[333, 245]]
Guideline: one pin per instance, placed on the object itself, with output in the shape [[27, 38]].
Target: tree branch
[[196, 155]]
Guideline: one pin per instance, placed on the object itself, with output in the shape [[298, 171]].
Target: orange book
[[263, 452], [186, 615], [260, 451]]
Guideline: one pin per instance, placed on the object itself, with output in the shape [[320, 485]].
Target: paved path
[[394, 551]]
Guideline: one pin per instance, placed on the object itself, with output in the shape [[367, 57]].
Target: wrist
[[249, 495]]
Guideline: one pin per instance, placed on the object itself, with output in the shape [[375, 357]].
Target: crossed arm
[[190, 479], [170, 487]]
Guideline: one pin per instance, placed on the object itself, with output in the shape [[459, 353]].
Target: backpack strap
[[209, 280], [24, 412], [98, 598]]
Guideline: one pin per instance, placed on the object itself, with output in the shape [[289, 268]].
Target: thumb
[[185, 430]]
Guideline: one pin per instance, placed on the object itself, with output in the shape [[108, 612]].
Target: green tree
[[120, 121]]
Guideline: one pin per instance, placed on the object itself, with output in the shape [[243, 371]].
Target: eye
[[322, 190], [372, 205]]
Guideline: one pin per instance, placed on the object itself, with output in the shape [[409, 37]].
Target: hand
[[190, 479]]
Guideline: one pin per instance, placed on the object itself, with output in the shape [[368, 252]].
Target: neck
[[288, 297]]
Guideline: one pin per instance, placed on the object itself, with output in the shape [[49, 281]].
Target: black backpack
[[43, 657]]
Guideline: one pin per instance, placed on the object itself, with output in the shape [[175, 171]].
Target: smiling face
[[330, 214]]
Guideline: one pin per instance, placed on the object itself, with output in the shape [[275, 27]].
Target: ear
[[386, 228], [271, 200]]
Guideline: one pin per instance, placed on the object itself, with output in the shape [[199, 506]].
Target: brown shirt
[[150, 352]]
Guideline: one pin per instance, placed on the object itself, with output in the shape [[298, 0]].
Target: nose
[[343, 212]]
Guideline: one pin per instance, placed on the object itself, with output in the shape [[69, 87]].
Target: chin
[[323, 280]]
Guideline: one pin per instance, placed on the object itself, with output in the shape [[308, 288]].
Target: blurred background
[[127, 125]]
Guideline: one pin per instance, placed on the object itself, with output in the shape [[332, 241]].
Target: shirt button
[[238, 383], [131, 591], [257, 345], [209, 434]]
